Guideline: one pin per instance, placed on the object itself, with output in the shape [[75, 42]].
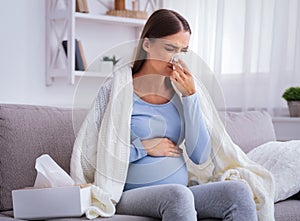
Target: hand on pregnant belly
[[159, 147]]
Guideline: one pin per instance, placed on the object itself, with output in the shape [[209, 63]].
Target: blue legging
[[226, 200]]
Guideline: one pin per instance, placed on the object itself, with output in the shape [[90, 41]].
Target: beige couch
[[26, 132]]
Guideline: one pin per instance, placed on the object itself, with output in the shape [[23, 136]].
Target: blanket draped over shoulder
[[102, 148]]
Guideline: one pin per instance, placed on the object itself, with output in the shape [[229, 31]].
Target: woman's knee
[[167, 202], [240, 196], [180, 204], [238, 191], [179, 194]]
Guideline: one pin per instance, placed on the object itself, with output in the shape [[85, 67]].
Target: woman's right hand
[[159, 147]]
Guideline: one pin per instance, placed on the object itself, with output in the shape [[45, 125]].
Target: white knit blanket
[[108, 149]]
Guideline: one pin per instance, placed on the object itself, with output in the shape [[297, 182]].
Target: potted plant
[[112, 59], [292, 96], [107, 63]]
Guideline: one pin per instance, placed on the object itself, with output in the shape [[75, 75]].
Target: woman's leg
[[169, 202], [226, 200]]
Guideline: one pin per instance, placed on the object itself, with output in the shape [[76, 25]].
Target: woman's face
[[161, 50]]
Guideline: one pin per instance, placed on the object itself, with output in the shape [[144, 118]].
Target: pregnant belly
[[150, 171]]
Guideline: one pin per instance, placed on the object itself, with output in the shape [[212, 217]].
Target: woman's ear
[[146, 44]]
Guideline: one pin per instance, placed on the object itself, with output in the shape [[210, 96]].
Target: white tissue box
[[43, 203]]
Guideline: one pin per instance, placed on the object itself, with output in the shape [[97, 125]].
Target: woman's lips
[[170, 69]]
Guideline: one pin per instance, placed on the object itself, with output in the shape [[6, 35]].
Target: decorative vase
[[119, 4], [294, 108]]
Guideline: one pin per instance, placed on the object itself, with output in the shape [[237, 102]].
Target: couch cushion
[[114, 218], [8, 215], [287, 210], [26, 132], [7, 218], [249, 129]]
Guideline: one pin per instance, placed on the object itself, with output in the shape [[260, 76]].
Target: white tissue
[[50, 174], [175, 59]]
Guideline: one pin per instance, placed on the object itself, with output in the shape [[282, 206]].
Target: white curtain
[[253, 47]]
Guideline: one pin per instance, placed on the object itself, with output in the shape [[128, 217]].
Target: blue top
[[174, 120]]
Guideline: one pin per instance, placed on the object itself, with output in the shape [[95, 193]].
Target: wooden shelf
[[91, 74], [286, 128], [286, 119], [134, 22]]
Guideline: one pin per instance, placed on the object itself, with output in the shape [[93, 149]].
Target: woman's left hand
[[182, 79]]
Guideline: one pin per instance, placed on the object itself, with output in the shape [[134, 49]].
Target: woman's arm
[[137, 150], [83, 159], [101, 102], [197, 139], [156, 147]]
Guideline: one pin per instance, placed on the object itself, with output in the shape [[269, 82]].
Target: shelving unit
[[287, 128], [61, 20], [90, 74], [111, 19]]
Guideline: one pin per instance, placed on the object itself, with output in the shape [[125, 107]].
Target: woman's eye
[[169, 49], [184, 51]]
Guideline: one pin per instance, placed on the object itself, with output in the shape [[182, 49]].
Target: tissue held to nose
[[175, 60]]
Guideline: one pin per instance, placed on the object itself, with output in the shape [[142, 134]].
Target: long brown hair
[[161, 23]]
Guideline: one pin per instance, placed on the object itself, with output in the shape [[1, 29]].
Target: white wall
[[22, 79], [22, 54]]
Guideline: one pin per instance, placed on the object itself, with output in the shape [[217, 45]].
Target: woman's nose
[[176, 57]]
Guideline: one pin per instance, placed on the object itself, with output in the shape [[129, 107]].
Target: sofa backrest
[[26, 132]]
